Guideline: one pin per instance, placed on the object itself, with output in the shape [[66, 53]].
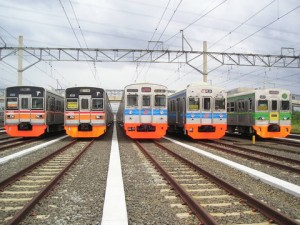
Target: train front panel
[[272, 113], [145, 111], [85, 109], [25, 114]]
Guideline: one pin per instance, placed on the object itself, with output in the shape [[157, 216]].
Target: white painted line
[[273, 181], [114, 210], [29, 150]]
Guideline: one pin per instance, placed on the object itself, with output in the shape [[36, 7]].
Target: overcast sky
[[256, 26]]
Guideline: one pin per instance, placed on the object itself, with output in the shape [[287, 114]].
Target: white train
[[198, 111], [143, 111]]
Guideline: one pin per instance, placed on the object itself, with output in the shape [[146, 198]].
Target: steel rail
[[268, 211], [21, 173], [289, 160], [275, 164], [22, 213], [196, 209]]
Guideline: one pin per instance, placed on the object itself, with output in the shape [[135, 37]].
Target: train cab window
[[194, 104], [97, 104], [274, 105], [84, 103], [220, 104], [37, 103], [285, 105], [160, 100], [12, 103], [24, 103], [262, 105], [72, 104], [146, 100], [206, 104], [132, 100]]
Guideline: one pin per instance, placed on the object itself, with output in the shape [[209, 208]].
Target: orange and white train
[[31, 111], [199, 111], [143, 111], [88, 112]]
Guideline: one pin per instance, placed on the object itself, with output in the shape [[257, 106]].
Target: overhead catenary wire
[[160, 37]]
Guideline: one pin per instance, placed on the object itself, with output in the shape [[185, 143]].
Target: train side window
[[285, 105], [132, 100], [262, 105], [84, 103], [194, 104], [12, 103], [97, 104], [72, 104], [206, 104], [160, 100], [24, 103], [146, 100], [220, 104], [37, 103], [274, 105]]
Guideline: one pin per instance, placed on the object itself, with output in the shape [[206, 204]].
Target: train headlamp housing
[[39, 116], [98, 117], [261, 118], [286, 118], [10, 116], [71, 117]]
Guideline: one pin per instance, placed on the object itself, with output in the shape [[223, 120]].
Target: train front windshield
[[160, 100], [220, 104]]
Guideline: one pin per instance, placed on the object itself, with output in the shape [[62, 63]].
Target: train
[[263, 112], [198, 111], [143, 111], [88, 112], [31, 111]]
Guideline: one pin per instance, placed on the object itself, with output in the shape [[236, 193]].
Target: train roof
[[245, 90], [33, 87], [142, 84]]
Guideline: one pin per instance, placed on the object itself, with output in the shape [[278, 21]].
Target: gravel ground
[[284, 202], [79, 197]]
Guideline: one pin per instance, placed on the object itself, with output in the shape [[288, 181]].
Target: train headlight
[[191, 130], [161, 112], [10, 116], [98, 117], [130, 112], [261, 118], [38, 116], [71, 117], [192, 115]]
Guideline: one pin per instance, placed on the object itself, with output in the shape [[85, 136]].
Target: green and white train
[[263, 112]]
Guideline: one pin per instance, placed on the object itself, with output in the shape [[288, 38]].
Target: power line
[[161, 36], [263, 28], [202, 16], [241, 24]]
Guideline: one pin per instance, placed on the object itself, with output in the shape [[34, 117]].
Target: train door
[[146, 110], [274, 111], [84, 109], [24, 107], [206, 110]]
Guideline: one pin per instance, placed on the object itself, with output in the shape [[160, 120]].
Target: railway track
[[19, 193], [248, 153], [210, 199]]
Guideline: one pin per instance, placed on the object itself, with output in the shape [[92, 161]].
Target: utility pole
[[205, 61], [20, 61]]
